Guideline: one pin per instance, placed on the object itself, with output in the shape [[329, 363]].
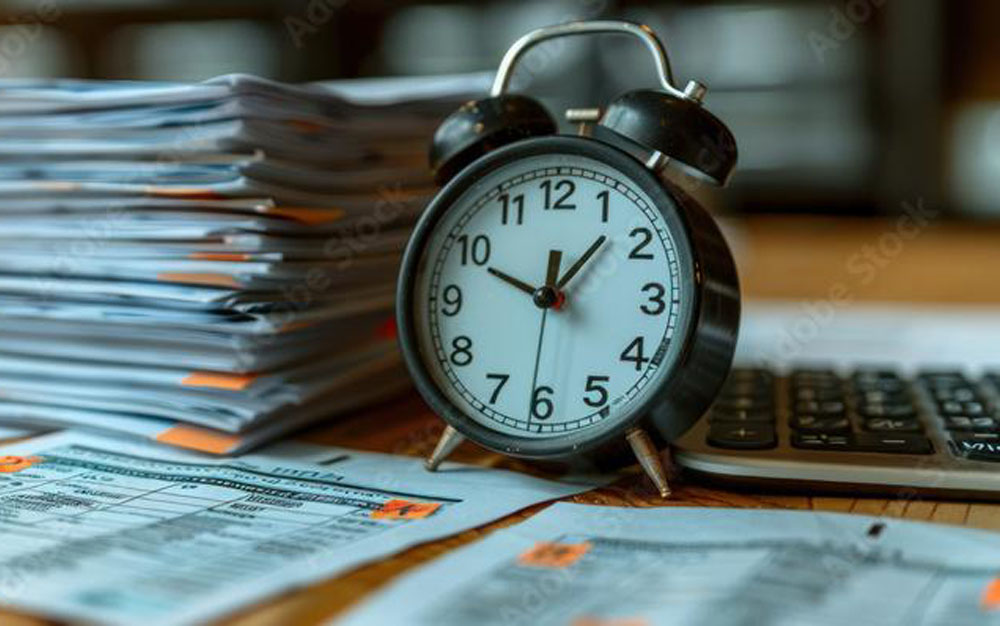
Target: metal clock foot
[[450, 439], [649, 458]]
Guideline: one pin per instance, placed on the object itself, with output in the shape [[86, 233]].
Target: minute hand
[[576, 267]]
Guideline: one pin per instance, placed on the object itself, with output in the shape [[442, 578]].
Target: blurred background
[[839, 106]]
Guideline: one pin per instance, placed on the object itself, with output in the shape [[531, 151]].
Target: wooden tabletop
[[778, 258]]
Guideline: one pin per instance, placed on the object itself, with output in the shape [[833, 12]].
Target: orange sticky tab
[[990, 600], [184, 192], [10, 464], [212, 280], [218, 256], [201, 439], [219, 380], [404, 509], [552, 554], [307, 215], [307, 126]]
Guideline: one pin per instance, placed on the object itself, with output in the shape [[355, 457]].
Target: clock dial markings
[[586, 363]]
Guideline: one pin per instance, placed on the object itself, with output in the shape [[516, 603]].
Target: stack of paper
[[206, 264]]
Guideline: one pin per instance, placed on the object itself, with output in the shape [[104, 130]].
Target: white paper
[[692, 566], [14, 433], [104, 531], [781, 334]]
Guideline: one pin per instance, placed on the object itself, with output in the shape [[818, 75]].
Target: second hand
[[551, 276], [538, 358]]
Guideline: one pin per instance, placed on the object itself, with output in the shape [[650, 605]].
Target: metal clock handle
[[642, 32]]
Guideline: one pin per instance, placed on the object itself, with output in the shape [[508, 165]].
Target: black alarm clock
[[560, 299]]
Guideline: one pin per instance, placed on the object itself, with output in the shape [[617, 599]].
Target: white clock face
[[547, 297]]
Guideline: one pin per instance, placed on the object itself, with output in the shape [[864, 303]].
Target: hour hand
[[510, 280]]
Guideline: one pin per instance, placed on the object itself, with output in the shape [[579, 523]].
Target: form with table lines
[[104, 531], [598, 566]]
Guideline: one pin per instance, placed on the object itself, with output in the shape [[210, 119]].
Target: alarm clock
[[560, 299]]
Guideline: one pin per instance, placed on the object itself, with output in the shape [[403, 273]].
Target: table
[[778, 258]]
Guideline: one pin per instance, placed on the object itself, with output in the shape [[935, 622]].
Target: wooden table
[[779, 258]]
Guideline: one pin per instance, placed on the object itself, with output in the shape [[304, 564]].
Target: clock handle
[[641, 31]]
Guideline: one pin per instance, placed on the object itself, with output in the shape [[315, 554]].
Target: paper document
[[97, 530], [578, 565], [909, 338], [14, 433]]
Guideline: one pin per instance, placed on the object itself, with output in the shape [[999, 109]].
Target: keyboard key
[[944, 379], [956, 394], [812, 407], [740, 416], [744, 403], [896, 411], [962, 408], [820, 395], [893, 444], [889, 425], [971, 423], [865, 442], [977, 447], [742, 437], [820, 424], [821, 441], [882, 397]]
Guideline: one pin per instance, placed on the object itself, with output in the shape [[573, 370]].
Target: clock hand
[[544, 297], [576, 267], [538, 358], [516, 283], [552, 273]]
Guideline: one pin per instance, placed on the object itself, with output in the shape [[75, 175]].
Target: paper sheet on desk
[[98, 530], [578, 565], [785, 334]]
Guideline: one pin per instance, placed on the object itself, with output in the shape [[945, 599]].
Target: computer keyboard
[[869, 430]]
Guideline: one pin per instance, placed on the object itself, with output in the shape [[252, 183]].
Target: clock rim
[[579, 443]]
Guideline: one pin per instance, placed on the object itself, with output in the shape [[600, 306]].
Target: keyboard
[[866, 431]]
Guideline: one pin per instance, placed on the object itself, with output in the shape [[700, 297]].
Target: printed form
[[100, 530], [577, 565]]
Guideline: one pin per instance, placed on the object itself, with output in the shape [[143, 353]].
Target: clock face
[[549, 297]]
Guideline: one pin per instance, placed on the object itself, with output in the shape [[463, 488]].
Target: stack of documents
[[207, 265]]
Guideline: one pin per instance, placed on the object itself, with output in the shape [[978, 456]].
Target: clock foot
[[649, 458], [449, 440]]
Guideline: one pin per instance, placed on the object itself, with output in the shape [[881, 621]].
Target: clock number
[[478, 251], [594, 384], [656, 299], [565, 187], [506, 203], [461, 354], [452, 297], [604, 197], [637, 251], [541, 408], [633, 353], [502, 378]]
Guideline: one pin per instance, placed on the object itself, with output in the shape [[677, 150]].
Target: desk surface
[[779, 258]]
